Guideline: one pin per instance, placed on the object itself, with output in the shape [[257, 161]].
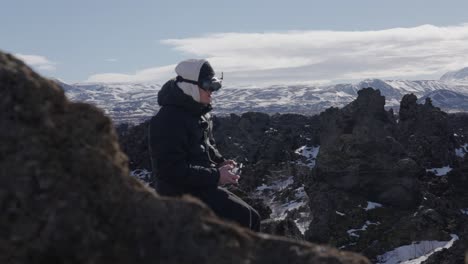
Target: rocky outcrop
[[66, 195], [458, 177], [358, 143], [425, 133], [360, 137], [458, 253], [458, 123]]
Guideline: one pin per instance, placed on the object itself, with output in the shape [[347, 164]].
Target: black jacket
[[181, 144]]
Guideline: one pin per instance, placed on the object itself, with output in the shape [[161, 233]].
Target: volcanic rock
[[358, 143], [425, 133]]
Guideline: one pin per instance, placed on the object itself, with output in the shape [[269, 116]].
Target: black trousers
[[230, 207]]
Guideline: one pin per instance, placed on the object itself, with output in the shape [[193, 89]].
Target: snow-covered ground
[[271, 192], [372, 205], [278, 185], [353, 232], [310, 155], [440, 171], [415, 253], [461, 152], [296, 199]]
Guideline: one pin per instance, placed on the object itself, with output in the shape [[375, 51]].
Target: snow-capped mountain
[[125, 103], [456, 77], [134, 103], [446, 99]]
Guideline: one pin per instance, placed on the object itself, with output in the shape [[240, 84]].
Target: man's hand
[[226, 176], [227, 162]]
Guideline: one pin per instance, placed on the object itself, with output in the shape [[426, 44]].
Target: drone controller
[[238, 169]]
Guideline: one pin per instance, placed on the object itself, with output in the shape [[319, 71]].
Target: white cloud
[[112, 60], [37, 62], [314, 56], [159, 74]]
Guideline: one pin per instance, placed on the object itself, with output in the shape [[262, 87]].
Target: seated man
[[183, 154]]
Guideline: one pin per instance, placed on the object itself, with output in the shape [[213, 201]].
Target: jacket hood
[[171, 94], [194, 69]]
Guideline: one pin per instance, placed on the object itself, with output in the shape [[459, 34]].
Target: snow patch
[[440, 171], [352, 232], [271, 131], [372, 205], [461, 152], [142, 174], [280, 206], [415, 253], [277, 185], [300, 193], [340, 213], [310, 154], [280, 211], [303, 222]]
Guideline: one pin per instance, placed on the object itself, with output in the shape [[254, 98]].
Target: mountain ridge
[[136, 102], [456, 77]]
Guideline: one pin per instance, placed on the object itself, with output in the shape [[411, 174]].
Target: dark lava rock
[[285, 227], [134, 142], [261, 142], [425, 132], [358, 143], [458, 253], [458, 123]]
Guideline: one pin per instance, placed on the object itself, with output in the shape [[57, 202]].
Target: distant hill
[[136, 102], [446, 99], [456, 77]]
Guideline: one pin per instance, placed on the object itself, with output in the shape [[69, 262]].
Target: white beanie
[[190, 70]]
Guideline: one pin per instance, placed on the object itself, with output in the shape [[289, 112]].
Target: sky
[[252, 42]]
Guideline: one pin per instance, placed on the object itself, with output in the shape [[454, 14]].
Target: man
[[183, 154]]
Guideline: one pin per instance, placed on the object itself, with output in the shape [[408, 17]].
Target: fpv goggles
[[212, 85]]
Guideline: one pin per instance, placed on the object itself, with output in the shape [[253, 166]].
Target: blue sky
[[251, 41]]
